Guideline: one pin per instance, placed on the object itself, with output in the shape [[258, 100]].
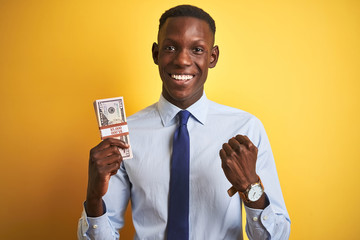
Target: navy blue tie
[[178, 215]]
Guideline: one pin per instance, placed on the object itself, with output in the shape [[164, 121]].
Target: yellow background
[[293, 64]]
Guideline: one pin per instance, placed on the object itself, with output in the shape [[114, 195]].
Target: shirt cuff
[[260, 218], [266, 224], [92, 225]]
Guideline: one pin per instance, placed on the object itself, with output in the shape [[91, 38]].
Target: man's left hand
[[239, 157]]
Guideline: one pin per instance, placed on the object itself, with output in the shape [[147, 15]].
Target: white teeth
[[182, 77]]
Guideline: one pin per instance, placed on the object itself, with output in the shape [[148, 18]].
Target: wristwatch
[[253, 192]]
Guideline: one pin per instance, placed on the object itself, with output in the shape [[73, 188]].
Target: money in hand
[[112, 123]]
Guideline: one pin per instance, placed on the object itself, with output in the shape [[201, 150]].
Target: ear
[[155, 53], [214, 56]]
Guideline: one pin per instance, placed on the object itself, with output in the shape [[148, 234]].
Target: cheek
[[162, 68], [165, 59], [202, 63]]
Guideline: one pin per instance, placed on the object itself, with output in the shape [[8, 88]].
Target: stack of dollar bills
[[112, 123]]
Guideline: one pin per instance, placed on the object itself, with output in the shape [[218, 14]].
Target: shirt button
[[255, 219], [94, 226], [265, 217]]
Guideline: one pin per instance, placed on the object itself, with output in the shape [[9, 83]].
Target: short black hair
[[188, 11]]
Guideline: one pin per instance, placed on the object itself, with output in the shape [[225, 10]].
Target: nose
[[183, 58]]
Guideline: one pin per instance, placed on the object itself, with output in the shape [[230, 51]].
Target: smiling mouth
[[181, 77]]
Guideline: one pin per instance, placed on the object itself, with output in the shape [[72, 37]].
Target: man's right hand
[[105, 160]]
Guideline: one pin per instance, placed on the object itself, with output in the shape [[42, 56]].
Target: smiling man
[[188, 151]]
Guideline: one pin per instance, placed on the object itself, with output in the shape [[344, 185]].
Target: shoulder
[[148, 114], [233, 116], [239, 121], [226, 111]]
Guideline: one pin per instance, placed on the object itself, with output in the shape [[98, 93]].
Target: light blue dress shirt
[[144, 179]]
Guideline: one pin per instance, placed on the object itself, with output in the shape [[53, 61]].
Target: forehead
[[176, 28]]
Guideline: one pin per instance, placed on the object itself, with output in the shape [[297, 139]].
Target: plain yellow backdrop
[[293, 64]]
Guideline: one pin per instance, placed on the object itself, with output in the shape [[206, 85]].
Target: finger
[[228, 150], [102, 145], [249, 144], [241, 139], [112, 142], [244, 140], [222, 154], [235, 145], [109, 169], [114, 159], [111, 150], [101, 162], [118, 142], [224, 158], [114, 168]]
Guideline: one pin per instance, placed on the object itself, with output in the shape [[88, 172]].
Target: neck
[[183, 103]]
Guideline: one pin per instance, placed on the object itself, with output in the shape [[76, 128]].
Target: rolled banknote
[[111, 118]]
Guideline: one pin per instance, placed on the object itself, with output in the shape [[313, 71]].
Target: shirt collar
[[168, 111]]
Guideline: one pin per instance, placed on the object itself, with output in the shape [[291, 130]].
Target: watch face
[[255, 193]]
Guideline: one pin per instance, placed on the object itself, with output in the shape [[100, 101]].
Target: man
[[221, 146]]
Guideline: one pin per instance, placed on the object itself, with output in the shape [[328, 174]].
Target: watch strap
[[244, 195]]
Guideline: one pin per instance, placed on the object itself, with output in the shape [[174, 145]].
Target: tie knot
[[184, 117]]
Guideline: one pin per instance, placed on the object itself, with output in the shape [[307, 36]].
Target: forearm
[[94, 207]]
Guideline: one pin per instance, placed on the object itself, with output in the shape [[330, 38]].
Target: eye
[[170, 48], [198, 50]]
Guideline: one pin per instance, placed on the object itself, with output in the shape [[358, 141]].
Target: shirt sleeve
[[266, 224], [273, 222], [115, 202], [96, 227]]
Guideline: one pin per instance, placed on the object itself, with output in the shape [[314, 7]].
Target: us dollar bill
[[111, 118]]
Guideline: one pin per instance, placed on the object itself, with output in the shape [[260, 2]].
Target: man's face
[[184, 53]]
